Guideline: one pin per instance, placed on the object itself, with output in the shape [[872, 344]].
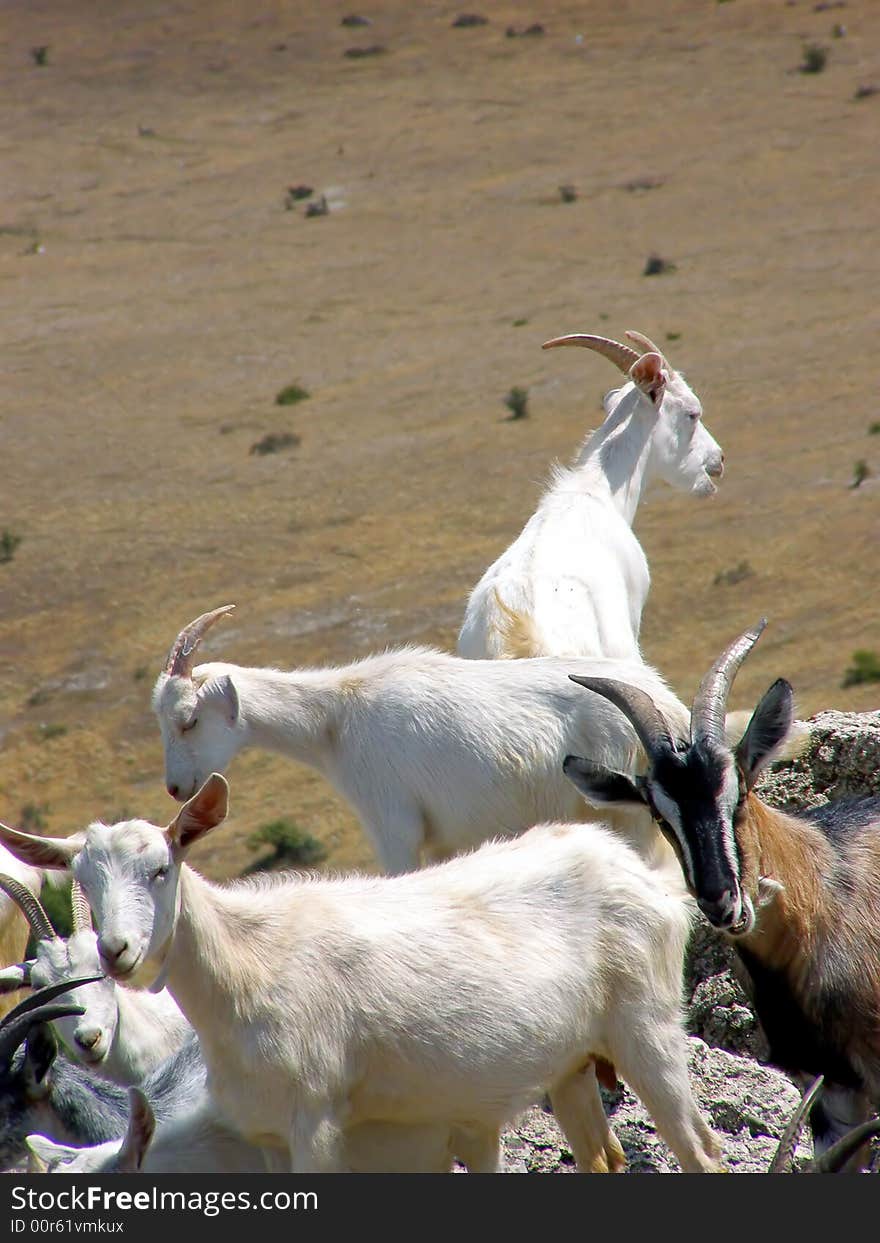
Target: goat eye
[[693, 415], [184, 729], [160, 873]]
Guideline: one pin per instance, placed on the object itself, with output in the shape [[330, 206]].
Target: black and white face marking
[[696, 793]]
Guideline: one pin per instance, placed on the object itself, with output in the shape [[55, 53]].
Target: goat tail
[[518, 637]]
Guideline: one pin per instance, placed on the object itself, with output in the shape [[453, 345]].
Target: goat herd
[[571, 813]]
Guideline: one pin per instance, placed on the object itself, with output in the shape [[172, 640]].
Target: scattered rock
[[470, 19], [865, 91], [320, 207], [530, 31], [274, 441], [296, 194], [357, 53], [568, 193], [354, 19]]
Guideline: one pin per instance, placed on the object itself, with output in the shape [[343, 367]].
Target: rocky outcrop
[[747, 1102]]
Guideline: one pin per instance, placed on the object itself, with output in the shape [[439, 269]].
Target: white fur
[[125, 1033], [448, 998], [575, 581], [435, 753]]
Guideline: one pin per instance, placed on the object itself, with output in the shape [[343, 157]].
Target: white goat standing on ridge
[[450, 997], [575, 580], [124, 1033], [434, 753]]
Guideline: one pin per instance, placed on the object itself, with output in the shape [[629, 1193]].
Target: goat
[[795, 896], [436, 754], [13, 926], [42, 1092], [450, 997], [124, 1033], [575, 580]]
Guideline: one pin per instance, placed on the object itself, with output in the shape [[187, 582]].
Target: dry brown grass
[[174, 296]]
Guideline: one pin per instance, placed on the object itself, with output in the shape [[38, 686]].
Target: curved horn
[[80, 910], [30, 907], [784, 1154], [15, 1025], [621, 355], [835, 1157], [639, 709], [179, 663], [710, 702], [648, 346]]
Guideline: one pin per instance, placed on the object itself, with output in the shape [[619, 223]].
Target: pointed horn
[[30, 907], [639, 709], [834, 1158], [15, 1025], [11, 1037], [180, 659], [710, 703], [648, 347], [80, 910], [621, 355], [784, 1154]]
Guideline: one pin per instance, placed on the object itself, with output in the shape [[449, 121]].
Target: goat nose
[[720, 910], [89, 1038], [173, 789], [111, 949]]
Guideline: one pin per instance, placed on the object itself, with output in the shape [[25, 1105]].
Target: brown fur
[[519, 638], [14, 932]]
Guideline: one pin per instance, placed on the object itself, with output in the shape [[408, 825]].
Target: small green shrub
[[517, 402], [729, 578], [568, 193], [291, 394], [290, 845], [51, 730], [274, 441], [40, 54], [815, 58], [861, 471], [32, 817], [520, 323], [8, 544], [874, 429], [865, 667]]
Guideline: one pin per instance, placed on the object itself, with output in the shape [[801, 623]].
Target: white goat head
[[129, 873], [88, 1036], [198, 717], [683, 452]]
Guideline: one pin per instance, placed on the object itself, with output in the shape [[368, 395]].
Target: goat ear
[[42, 852], [204, 811], [767, 730], [649, 377], [600, 785], [221, 693], [40, 1051], [141, 1125]]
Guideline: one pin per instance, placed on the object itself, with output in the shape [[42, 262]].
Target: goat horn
[[15, 1025], [834, 1158], [648, 346], [30, 907], [179, 663], [621, 355], [710, 702], [79, 907], [788, 1142], [639, 709]]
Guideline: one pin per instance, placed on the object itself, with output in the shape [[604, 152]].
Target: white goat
[[575, 581], [436, 754], [124, 1033], [452, 996]]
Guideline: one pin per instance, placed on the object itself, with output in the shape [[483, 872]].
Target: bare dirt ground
[[156, 294]]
